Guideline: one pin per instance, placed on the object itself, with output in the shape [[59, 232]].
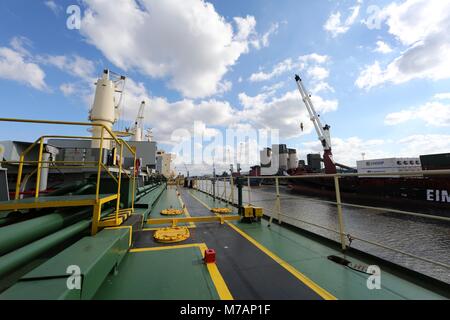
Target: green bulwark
[[95, 256]]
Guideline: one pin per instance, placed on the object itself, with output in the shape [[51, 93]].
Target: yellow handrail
[[99, 164]]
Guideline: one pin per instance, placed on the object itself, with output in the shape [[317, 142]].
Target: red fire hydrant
[[210, 256]]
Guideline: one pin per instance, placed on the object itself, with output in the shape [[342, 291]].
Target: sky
[[378, 72]]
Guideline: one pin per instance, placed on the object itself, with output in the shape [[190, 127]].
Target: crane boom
[[139, 124], [323, 132]]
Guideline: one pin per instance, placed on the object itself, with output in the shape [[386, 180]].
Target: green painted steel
[[151, 199], [168, 199], [109, 185], [25, 254], [310, 258], [66, 189], [19, 234], [19, 257], [94, 256], [160, 275], [49, 289]]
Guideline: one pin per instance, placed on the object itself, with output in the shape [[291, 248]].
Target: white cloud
[[433, 113], [442, 96], [335, 26], [313, 64], [266, 36], [166, 117], [53, 6], [422, 26], [419, 144], [81, 69], [67, 89], [17, 64], [74, 65], [348, 151], [318, 73], [383, 47], [284, 113], [187, 41], [279, 69]]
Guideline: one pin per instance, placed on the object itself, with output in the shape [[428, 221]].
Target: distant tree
[[225, 174]]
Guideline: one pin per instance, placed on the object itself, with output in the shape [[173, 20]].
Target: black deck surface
[[248, 272]]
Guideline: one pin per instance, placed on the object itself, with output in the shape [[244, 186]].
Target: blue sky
[[378, 70]]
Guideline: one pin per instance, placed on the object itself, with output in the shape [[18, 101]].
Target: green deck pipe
[[19, 234], [142, 192], [20, 257], [67, 188]]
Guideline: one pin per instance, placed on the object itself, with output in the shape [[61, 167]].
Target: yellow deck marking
[[300, 276], [130, 228], [214, 218], [186, 211], [180, 246], [155, 229], [219, 282], [216, 277]]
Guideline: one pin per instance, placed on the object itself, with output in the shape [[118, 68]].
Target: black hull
[[429, 195]]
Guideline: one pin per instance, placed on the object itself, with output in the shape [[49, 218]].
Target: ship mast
[[323, 132]]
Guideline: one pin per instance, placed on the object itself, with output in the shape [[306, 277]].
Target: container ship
[[399, 183], [427, 192]]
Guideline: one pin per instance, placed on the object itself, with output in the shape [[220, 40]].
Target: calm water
[[423, 237]]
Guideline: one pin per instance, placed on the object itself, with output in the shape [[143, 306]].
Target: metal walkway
[[56, 201], [248, 271]]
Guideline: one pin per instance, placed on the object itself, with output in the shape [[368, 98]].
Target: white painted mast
[[104, 109]]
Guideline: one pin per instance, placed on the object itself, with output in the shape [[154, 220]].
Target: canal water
[[423, 237]]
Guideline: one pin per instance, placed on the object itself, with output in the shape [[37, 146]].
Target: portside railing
[[212, 186]]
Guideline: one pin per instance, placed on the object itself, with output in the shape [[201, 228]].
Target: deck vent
[[339, 260], [348, 264]]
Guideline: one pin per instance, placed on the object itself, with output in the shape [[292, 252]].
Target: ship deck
[[253, 261]]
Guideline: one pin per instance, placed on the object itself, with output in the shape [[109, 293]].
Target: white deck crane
[[323, 132], [138, 130]]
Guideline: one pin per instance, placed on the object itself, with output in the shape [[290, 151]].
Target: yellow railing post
[[134, 179], [19, 178], [339, 208], [98, 207], [232, 190], [277, 206], [39, 168], [119, 184], [249, 192], [95, 218], [224, 189], [99, 170]]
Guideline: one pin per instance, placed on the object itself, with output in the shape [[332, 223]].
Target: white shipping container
[[389, 165]]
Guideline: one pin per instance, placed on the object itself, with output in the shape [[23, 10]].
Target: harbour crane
[[138, 130], [323, 132]]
